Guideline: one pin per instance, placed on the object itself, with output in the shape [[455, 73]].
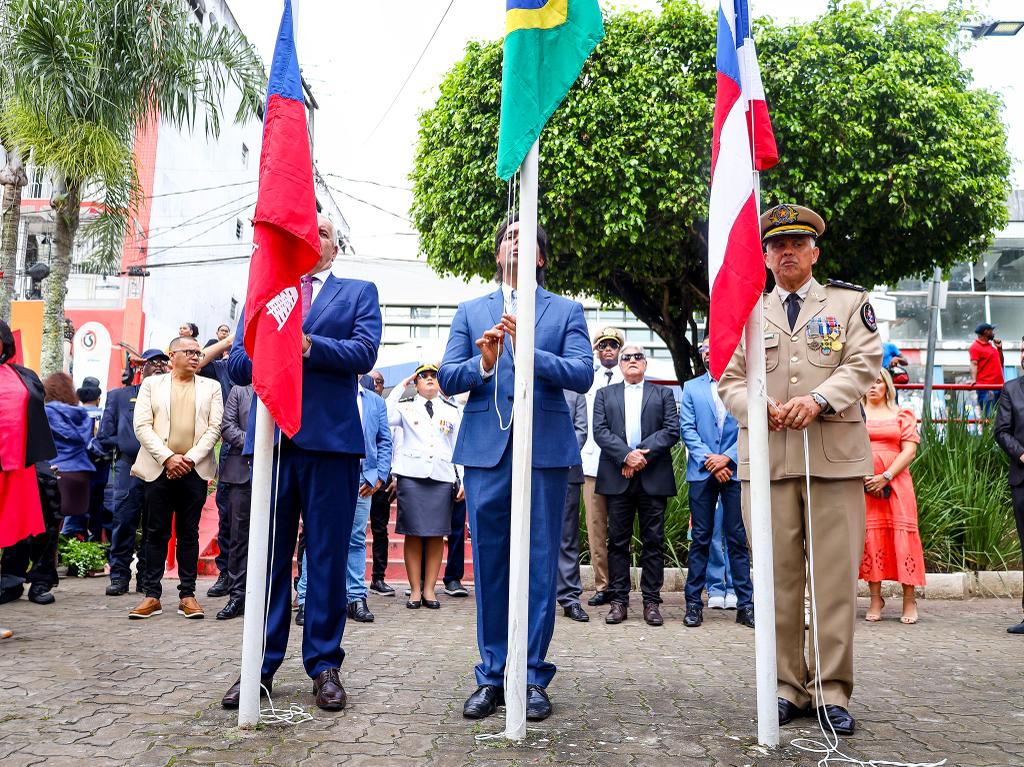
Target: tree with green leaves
[[85, 76], [877, 126]]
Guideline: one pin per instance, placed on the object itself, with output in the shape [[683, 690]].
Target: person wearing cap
[[987, 367], [117, 434], [428, 482], [607, 343], [822, 355]]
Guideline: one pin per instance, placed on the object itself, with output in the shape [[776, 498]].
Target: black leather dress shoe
[[599, 598], [538, 704], [618, 613], [380, 587], [300, 616], [234, 608], [329, 692], [483, 702], [576, 612], [359, 612], [840, 718], [788, 711], [221, 587], [694, 616], [117, 588], [39, 593], [1018, 629], [745, 615], [230, 699]]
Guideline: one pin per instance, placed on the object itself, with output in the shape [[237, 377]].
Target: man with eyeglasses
[[117, 433], [177, 422], [607, 343], [636, 423]]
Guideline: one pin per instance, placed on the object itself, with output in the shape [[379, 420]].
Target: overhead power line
[[370, 204], [367, 181], [200, 189]]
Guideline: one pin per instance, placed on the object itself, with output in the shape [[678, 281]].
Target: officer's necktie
[[608, 373], [430, 408], [306, 286], [792, 309]]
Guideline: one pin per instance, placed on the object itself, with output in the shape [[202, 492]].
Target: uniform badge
[[867, 316], [447, 427]]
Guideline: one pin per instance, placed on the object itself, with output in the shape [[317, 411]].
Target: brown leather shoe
[[653, 615], [147, 608], [330, 695], [234, 693], [617, 613], [190, 608]]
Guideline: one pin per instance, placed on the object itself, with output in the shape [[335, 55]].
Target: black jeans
[[650, 510], [1017, 493], [39, 550], [129, 502], [181, 500], [238, 556], [380, 515], [222, 497]]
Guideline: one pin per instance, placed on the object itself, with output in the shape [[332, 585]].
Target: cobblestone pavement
[[81, 685]]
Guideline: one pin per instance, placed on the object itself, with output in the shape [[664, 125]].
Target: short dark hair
[[7, 346], [178, 341], [543, 242]]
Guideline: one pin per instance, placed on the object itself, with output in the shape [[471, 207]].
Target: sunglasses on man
[[638, 356], [608, 345], [426, 374]]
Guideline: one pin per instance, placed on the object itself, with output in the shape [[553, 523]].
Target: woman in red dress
[[892, 546]]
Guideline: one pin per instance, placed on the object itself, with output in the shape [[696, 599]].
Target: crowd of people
[[126, 473]]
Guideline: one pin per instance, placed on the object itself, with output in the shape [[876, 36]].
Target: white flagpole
[[522, 454]]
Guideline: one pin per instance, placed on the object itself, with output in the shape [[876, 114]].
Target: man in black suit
[[636, 424], [1010, 436], [236, 474]]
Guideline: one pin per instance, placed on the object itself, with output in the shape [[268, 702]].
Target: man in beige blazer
[[177, 422], [823, 354]]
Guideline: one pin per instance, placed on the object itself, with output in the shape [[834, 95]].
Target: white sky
[[355, 56]]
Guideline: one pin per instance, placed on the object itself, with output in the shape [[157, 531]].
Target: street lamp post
[[993, 28]]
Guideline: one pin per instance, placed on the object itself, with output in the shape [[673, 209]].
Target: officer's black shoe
[[300, 616], [455, 589], [221, 587], [358, 611], [576, 612], [11, 593], [788, 711], [230, 699], [839, 717], [117, 588], [483, 702], [234, 608], [538, 704], [745, 615], [694, 616], [599, 598], [380, 587], [40, 594]]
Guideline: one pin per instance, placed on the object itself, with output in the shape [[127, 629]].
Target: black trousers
[[181, 500], [38, 550], [1018, 511], [380, 515], [650, 510], [238, 556], [455, 569]]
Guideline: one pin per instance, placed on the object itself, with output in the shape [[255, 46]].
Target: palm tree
[[12, 179], [86, 75]]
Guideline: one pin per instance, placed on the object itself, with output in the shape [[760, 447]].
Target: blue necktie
[[792, 309]]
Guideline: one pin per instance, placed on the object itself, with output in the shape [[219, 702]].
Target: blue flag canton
[[285, 79]]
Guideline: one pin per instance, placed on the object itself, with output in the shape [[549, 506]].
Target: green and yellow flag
[[546, 45]]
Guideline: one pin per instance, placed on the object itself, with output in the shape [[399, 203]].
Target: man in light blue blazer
[[710, 432], [479, 359]]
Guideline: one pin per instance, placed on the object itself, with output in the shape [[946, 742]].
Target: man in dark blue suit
[[479, 361], [319, 469]]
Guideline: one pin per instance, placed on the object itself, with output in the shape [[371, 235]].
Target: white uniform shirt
[[591, 452], [427, 443]]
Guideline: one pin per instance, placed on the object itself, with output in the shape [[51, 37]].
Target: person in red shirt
[[987, 366]]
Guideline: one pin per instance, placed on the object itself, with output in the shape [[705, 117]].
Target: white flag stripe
[[731, 187]]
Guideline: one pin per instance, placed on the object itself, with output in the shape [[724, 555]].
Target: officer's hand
[[799, 412], [461, 495], [774, 419], [635, 460], [365, 491], [724, 474], [508, 322]]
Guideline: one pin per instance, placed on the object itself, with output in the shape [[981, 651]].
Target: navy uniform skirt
[[424, 507]]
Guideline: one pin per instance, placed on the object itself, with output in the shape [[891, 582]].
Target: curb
[[985, 583]]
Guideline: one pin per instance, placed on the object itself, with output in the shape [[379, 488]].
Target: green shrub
[[82, 557]]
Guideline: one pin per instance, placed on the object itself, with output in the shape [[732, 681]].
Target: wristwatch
[[822, 403], [888, 475]]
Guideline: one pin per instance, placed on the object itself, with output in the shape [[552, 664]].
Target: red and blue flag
[[286, 241], [743, 142]]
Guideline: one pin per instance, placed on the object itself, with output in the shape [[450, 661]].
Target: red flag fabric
[[286, 242]]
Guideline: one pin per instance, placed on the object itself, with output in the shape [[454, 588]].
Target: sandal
[[871, 617], [908, 620]]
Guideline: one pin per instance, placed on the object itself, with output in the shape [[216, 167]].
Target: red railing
[[952, 387]]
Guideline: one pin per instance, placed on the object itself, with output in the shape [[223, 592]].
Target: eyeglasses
[[427, 374], [608, 345], [377, 381], [193, 353], [638, 356]]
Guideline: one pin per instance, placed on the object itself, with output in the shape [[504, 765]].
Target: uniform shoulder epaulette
[[449, 403], [407, 399], [845, 286]]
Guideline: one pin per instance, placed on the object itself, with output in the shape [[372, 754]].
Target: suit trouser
[[489, 501], [238, 555], [129, 502], [569, 585], [718, 579], [704, 496], [222, 497], [1018, 511], [650, 513], [324, 487], [180, 500], [837, 508], [597, 532], [380, 515], [455, 567]]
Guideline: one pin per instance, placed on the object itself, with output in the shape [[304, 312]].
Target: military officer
[[823, 353]]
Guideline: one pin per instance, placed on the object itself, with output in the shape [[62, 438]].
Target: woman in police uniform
[[427, 481]]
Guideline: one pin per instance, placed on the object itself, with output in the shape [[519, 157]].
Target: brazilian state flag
[[546, 45]]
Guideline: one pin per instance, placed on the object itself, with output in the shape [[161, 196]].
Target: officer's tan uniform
[[833, 350]]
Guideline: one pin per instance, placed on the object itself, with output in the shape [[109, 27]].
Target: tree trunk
[[13, 179], [66, 207]]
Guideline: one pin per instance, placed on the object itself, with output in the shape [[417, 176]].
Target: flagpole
[[522, 454]]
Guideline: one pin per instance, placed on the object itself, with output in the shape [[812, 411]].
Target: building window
[[245, 156], [961, 315], [198, 8], [238, 228], [421, 312]]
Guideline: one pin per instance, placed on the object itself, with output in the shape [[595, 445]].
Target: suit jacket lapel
[[543, 302], [327, 292], [775, 312], [496, 306]]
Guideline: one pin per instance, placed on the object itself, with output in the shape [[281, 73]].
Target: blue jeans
[[719, 574], [355, 577], [988, 401], [704, 496]]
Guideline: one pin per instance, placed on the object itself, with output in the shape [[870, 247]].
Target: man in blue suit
[[319, 469], [709, 432], [479, 360]]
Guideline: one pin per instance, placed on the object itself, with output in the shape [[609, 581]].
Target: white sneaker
[[718, 602], [730, 601]]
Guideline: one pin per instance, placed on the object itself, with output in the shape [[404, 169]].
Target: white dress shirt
[[634, 397], [719, 406], [801, 293], [318, 282], [591, 453], [510, 296]]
